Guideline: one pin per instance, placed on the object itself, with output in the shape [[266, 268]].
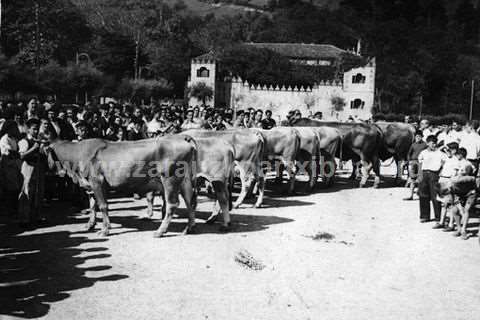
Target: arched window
[[203, 73], [358, 78], [357, 104]]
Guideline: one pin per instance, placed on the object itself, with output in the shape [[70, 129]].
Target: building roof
[[301, 50], [209, 56]]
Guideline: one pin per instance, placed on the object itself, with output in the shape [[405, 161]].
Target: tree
[[141, 89], [202, 92], [63, 30], [338, 103]]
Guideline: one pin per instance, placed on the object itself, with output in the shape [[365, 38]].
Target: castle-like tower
[[356, 89]]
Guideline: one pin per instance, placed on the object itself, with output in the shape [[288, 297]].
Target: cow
[[361, 142], [216, 164], [330, 145], [308, 154], [397, 138], [162, 164], [283, 144], [248, 146]]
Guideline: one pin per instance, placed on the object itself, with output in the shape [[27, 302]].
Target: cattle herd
[[174, 165]]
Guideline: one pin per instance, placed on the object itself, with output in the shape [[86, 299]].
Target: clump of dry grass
[[325, 236], [246, 259]]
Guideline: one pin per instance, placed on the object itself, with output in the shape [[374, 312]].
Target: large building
[[349, 94]]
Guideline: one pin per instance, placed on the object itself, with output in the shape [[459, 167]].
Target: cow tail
[[261, 137], [231, 176], [193, 169]]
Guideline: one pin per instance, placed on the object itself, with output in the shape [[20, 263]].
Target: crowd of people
[[442, 154], [25, 182], [443, 164]]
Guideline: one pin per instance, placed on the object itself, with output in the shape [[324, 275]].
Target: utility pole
[[37, 39], [137, 53], [421, 106], [471, 100]]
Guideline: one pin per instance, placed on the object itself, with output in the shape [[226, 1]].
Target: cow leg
[[366, 167], [355, 166], [90, 226], [376, 171], [99, 192], [291, 169], [150, 196], [399, 175], [188, 193], [243, 192], [261, 191], [170, 193], [222, 197], [312, 167]]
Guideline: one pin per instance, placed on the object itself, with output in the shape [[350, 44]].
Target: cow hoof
[[465, 236], [190, 230], [375, 186], [211, 219], [103, 233], [257, 206], [158, 234], [236, 206], [89, 227], [225, 229]]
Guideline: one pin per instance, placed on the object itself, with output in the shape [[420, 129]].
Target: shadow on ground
[[37, 270]]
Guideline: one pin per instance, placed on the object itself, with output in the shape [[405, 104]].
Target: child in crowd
[[33, 173], [448, 172], [413, 165]]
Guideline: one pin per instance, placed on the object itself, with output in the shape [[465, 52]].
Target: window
[[203, 73], [357, 104], [358, 78]]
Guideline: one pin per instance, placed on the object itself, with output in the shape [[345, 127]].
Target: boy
[[413, 166], [431, 162], [463, 189], [33, 172], [449, 171]]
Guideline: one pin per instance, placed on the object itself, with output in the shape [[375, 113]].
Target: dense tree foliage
[[427, 52]]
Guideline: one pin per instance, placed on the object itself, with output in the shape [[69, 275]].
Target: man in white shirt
[[431, 162], [471, 142]]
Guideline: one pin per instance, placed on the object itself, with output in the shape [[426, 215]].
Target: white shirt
[[471, 142], [450, 167], [427, 132], [7, 144], [463, 167], [432, 160], [454, 136]]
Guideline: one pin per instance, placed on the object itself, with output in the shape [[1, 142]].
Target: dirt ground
[[341, 253]]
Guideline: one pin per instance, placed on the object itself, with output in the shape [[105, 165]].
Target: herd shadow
[[39, 269]]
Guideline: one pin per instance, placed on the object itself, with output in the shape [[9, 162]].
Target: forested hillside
[[426, 50]]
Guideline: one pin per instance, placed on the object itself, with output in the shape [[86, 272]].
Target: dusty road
[[380, 264]]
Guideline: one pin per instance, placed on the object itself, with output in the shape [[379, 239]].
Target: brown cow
[[282, 143], [330, 144], [162, 164], [361, 142], [248, 146], [216, 164], [397, 138], [308, 154]]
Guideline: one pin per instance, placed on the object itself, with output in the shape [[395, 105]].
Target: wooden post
[[471, 100]]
